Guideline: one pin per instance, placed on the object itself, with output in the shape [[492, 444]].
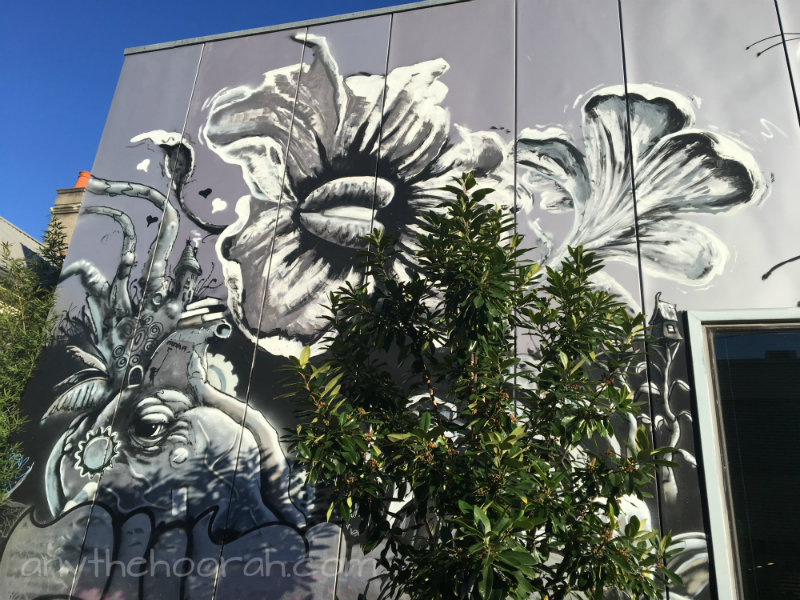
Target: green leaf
[[642, 439], [481, 520], [425, 420], [305, 354], [302, 449], [331, 388]]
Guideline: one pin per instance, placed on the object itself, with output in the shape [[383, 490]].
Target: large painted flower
[[327, 159], [678, 170]]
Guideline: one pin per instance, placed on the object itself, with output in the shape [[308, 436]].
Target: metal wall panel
[[571, 110], [229, 481], [714, 175], [788, 44], [448, 109], [452, 106], [322, 164], [104, 277], [745, 102], [334, 194], [574, 179]]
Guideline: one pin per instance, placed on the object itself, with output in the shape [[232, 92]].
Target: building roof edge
[[24, 233], [286, 26]]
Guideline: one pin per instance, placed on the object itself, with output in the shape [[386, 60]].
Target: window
[[747, 382]]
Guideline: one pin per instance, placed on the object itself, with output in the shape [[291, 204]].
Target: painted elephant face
[[175, 445]]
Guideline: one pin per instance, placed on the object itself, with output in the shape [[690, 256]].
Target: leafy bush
[[474, 471], [27, 293]]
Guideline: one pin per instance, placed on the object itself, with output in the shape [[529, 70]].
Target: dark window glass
[[758, 388]]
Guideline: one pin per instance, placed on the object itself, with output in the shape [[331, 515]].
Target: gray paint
[[718, 76], [512, 68]]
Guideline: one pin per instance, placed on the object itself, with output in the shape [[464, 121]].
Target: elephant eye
[[148, 427], [150, 424]]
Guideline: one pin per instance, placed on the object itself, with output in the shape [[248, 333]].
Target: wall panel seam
[[640, 274], [788, 61]]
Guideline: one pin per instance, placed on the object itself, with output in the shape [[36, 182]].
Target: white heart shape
[[218, 204]]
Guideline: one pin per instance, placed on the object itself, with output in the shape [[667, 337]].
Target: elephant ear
[[80, 392]]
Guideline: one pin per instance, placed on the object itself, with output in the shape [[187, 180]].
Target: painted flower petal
[[261, 158], [244, 249], [335, 114], [696, 172], [299, 283], [605, 282], [415, 125], [655, 113], [479, 152], [322, 95], [555, 169], [682, 250], [605, 124], [361, 129], [319, 111], [300, 277]]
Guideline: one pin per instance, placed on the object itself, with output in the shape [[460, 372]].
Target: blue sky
[[59, 63]]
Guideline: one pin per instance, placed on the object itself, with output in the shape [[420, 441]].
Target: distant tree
[[479, 474], [27, 294]]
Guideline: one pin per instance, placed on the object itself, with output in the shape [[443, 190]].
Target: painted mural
[[220, 216]]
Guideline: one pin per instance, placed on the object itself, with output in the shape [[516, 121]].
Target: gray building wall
[[663, 136], [20, 243]]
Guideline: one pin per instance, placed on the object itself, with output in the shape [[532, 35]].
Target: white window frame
[[700, 324]]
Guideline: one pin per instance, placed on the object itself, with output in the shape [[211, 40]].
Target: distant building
[[68, 204], [65, 208], [22, 245]]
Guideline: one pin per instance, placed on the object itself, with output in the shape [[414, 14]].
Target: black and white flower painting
[[362, 152], [667, 168], [352, 154]]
